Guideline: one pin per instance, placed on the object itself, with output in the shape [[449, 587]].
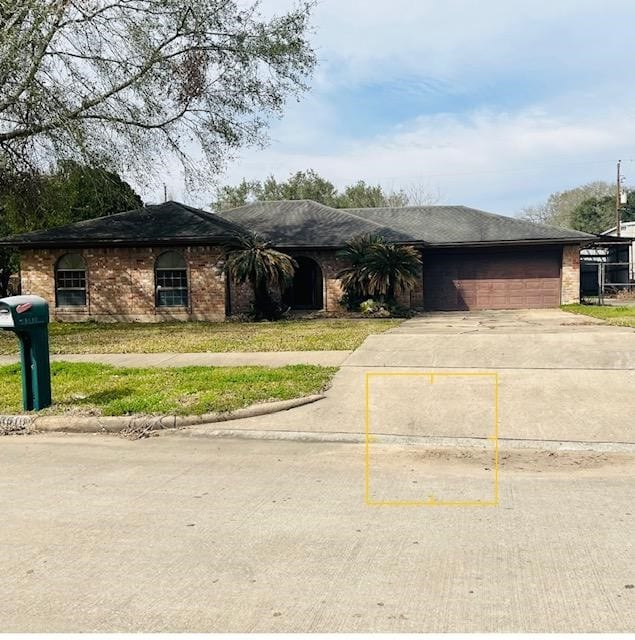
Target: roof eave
[[506, 243], [116, 242], [221, 239]]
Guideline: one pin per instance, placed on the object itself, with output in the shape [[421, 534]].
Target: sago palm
[[354, 278], [252, 260], [391, 269]]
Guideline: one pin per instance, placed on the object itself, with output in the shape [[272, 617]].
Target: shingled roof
[[299, 223], [454, 225], [288, 223], [167, 223]]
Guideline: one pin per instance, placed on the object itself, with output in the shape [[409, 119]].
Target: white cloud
[[491, 160], [498, 156]]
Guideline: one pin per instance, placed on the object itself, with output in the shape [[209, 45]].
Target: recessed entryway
[[306, 290]]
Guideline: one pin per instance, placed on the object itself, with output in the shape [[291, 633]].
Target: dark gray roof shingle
[[163, 223], [444, 224], [298, 223], [290, 223]]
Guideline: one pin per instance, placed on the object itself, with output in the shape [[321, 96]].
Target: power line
[[498, 171]]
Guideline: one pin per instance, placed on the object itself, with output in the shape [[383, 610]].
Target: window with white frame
[[170, 276], [70, 281]]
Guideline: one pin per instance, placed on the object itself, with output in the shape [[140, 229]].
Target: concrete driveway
[[561, 377]]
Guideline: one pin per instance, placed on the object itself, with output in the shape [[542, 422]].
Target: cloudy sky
[[492, 104]]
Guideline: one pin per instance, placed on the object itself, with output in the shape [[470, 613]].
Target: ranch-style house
[[165, 262]]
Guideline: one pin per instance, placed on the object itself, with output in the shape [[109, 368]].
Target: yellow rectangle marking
[[432, 501]]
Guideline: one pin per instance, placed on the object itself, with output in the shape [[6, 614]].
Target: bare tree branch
[[111, 81]]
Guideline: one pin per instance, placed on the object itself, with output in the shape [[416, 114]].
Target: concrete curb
[[431, 441], [115, 424]]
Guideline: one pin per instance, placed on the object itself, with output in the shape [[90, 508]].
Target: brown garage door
[[522, 279]]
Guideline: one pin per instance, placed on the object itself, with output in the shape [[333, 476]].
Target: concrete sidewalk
[[235, 359]]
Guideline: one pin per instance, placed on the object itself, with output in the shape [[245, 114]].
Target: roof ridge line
[[407, 206], [256, 202], [325, 206], [201, 213]]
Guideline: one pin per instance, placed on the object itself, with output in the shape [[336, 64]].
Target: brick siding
[[570, 275], [120, 284]]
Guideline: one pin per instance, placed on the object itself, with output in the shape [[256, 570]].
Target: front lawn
[[97, 389], [214, 337], [621, 316]]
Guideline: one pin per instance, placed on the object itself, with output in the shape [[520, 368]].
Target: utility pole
[[618, 198]]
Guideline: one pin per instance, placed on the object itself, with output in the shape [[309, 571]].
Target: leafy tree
[[595, 215], [91, 192], [303, 185], [31, 201], [309, 185], [378, 268], [229, 197], [558, 209], [252, 260], [136, 82], [72, 193], [9, 262], [360, 195]]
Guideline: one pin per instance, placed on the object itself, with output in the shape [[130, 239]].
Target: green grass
[[621, 316], [216, 337], [96, 389]]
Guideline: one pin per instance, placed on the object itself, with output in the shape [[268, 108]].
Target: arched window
[[70, 281], [170, 279]]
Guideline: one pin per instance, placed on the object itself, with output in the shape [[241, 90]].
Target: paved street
[[174, 534], [195, 533]]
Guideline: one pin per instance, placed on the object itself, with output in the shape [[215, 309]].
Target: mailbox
[[28, 318]]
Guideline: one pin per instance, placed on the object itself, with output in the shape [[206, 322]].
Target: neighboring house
[[615, 255], [166, 261], [627, 230]]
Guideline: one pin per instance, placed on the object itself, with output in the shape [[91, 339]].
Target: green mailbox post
[[28, 318]]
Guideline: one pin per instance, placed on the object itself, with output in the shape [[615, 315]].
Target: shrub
[[378, 269], [374, 308]]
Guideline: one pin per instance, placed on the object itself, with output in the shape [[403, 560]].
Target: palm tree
[[354, 278], [252, 259], [378, 268], [391, 269]]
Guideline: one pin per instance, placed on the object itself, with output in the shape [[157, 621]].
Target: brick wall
[[120, 284], [570, 275]]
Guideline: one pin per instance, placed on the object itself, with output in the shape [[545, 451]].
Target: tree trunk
[[265, 306], [390, 293], [5, 275]]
